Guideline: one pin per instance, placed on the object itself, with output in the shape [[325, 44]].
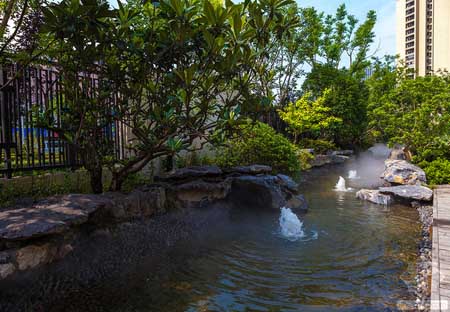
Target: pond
[[352, 256]]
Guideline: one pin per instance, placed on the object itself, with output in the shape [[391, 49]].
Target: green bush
[[260, 144], [437, 171], [305, 159], [319, 146]]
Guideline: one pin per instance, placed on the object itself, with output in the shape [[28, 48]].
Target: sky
[[384, 29]]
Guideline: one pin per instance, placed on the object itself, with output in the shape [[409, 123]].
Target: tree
[[347, 101], [20, 21], [416, 113], [310, 117], [328, 40], [182, 70], [79, 35]]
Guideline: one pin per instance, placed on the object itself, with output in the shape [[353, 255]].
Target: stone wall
[[43, 232]]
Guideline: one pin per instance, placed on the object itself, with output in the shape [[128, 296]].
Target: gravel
[[423, 276]]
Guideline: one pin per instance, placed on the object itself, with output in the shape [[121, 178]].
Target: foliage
[[347, 100], [183, 69], [305, 158], [319, 146], [437, 171], [259, 143], [417, 114], [330, 39], [20, 21], [37, 186], [79, 30], [310, 117], [195, 159], [386, 75], [134, 180]]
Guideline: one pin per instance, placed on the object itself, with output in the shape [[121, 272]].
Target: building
[[423, 34]]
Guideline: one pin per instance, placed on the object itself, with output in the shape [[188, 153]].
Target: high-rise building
[[423, 35]]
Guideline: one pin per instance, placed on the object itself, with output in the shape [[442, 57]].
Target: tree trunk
[[117, 181], [93, 164], [96, 175]]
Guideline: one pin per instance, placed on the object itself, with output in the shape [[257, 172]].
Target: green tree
[[79, 32], [332, 39], [347, 101], [416, 113], [310, 117], [182, 71]]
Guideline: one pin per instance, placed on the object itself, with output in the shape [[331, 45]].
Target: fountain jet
[[340, 186], [353, 174], [290, 224]]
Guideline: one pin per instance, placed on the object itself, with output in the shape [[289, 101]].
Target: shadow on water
[[355, 257]]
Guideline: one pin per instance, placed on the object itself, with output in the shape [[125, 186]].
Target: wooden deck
[[440, 282]]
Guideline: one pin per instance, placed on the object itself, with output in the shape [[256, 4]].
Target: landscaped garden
[[179, 124]]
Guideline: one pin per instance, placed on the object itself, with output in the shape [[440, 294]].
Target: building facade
[[423, 35]]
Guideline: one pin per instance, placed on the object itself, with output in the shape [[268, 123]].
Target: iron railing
[[23, 145]]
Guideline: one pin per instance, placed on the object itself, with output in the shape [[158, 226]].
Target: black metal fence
[[25, 146]]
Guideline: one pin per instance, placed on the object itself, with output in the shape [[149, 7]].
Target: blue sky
[[385, 27]]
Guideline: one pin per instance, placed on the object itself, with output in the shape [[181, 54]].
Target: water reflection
[[362, 258]]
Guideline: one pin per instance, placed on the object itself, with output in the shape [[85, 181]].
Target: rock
[[400, 153], [297, 203], [5, 257], [198, 192], [31, 256], [262, 192], [344, 153], [374, 196], [331, 158], [192, 173], [63, 251], [288, 183], [338, 159], [44, 219], [253, 169], [320, 160], [410, 192], [402, 172], [6, 270]]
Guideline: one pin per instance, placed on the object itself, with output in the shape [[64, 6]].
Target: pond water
[[351, 256]]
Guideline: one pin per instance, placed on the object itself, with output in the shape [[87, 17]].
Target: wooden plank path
[[440, 281]]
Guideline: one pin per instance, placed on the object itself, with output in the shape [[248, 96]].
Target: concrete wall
[[441, 42]]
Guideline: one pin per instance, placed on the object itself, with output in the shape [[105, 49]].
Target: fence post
[[5, 126]]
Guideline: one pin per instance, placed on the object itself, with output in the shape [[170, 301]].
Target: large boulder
[[190, 173], [409, 192], [402, 172], [321, 160], [252, 169], [343, 153], [400, 153], [297, 203], [288, 183], [50, 217], [375, 196], [197, 193], [262, 192]]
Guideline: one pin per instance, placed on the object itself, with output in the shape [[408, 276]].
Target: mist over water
[[358, 257]]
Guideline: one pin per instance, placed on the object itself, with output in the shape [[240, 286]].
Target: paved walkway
[[440, 283]]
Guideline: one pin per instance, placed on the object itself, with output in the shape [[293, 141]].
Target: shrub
[[305, 159], [438, 171], [319, 146], [260, 144]]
